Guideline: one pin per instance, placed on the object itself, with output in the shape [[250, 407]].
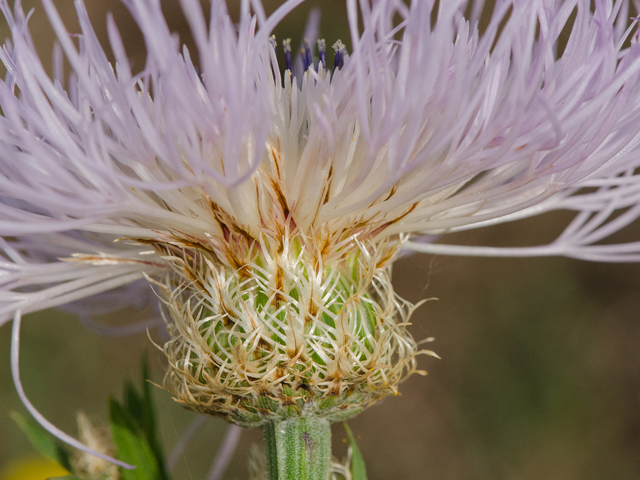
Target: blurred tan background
[[540, 369]]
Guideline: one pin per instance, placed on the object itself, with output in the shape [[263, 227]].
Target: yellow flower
[[33, 467]]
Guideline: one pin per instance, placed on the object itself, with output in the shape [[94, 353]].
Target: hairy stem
[[298, 448]]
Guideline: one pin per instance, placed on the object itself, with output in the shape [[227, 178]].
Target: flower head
[[97, 437], [267, 209]]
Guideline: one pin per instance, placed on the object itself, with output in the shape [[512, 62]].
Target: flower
[[98, 438], [267, 209]]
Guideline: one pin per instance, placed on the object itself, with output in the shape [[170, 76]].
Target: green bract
[[296, 330]]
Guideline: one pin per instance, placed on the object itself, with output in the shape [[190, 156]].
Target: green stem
[[298, 449]]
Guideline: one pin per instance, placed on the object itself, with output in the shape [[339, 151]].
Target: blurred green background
[[540, 369]]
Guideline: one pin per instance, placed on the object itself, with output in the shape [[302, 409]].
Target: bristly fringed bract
[[297, 330]]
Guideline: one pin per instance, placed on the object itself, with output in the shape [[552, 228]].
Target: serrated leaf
[[132, 445], [358, 470], [42, 441]]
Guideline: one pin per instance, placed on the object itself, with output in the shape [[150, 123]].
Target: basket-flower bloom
[[266, 210]]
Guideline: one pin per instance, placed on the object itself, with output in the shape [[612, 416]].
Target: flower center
[[306, 53]]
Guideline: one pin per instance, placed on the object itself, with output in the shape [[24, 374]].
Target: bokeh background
[[540, 369]]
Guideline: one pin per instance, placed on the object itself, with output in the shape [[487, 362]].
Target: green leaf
[[140, 410], [66, 477], [132, 445], [42, 441], [133, 403], [148, 415], [358, 470]]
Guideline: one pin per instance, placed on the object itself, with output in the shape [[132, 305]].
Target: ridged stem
[[298, 449]]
